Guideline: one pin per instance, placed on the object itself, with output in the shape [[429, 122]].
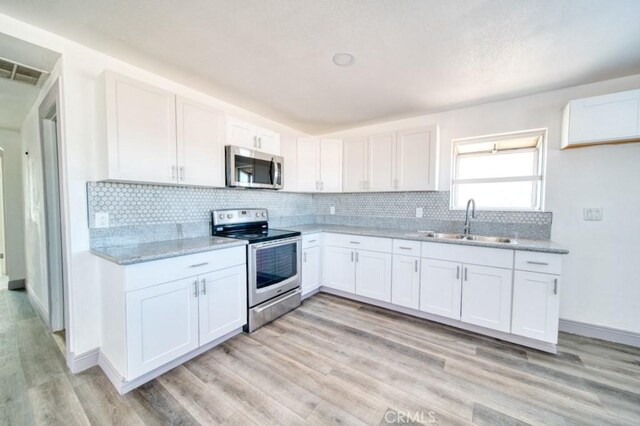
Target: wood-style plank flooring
[[332, 361]]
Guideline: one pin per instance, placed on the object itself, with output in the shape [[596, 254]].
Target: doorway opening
[[4, 278]]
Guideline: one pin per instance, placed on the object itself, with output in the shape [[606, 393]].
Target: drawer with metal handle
[[547, 263], [406, 247], [273, 309]]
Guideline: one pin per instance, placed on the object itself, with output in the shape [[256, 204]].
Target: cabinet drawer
[[486, 256], [147, 274], [547, 263], [359, 242], [406, 247], [311, 240]]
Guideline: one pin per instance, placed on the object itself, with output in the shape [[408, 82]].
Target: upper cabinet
[[612, 118], [406, 160], [247, 135], [319, 164], [155, 136]]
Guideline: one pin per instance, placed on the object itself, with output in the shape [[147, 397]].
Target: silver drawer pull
[[354, 242], [457, 272], [195, 288], [555, 286], [405, 248], [531, 262], [199, 264]]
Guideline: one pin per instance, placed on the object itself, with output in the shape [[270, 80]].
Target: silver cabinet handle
[[404, 248], [466, 270], [312, 241], [255, 141], [416, 268], [259, 142], [354, 242], [195, 288], [531, 262], [199, 264], [173, 173], [457, 272], [555, 286], [351, 256], [181, 170], [304, 257], [321, 186], [317, 186], [204, 285], [357, 257]]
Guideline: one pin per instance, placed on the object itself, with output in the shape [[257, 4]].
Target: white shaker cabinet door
[[268, 141], [162, 324], [308, 165], [417, 159], [536, 306], [405, 282], [310, 269], [331, 165], [354, 176], [486, 297], [381, 162], [441, 288], [339, 269], [240, 133], [373, 275], [223, 302]]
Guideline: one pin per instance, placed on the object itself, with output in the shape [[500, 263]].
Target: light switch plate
[[419, 212], [592, 214], [332, 210], [101, 220]]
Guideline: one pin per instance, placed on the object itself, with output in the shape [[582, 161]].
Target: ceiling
[[411, 56], [16, 99]]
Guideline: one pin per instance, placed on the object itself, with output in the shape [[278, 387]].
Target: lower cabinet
[[536, 306], [373, 275], [405, 281], [486, 297], [339, 269], [310, 269], [441, 288]]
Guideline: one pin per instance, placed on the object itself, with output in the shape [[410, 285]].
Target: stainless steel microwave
[[253, 169]]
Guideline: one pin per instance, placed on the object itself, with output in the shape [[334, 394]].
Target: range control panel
[[234, 216]]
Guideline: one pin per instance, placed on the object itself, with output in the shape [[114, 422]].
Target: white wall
[[10, 142], [601, 285]]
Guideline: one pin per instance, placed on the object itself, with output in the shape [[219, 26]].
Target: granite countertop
[[543, 246], [137, 253]]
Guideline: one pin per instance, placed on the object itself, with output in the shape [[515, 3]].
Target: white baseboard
[[600, 332], [84, 361], [42, 312], [519, 340], [310, 293]]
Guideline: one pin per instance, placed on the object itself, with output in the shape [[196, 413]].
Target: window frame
[[538, 205]]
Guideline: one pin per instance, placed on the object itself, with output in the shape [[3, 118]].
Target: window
[[501, 172]]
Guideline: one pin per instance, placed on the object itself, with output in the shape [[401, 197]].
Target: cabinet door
[[200, 144], [607, 117], [339, 269], [223, 302], [331, 165], [141, 122], [536, 306], [405, 282], [241, 134], [162, 325], [308, 165], [381, 162], [310, 269], [486, 297], [354, 174], [417, 159], [441, 288], [373, 275], [268, 141], [289, 151]]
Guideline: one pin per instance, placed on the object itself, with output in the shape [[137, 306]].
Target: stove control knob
[[264, 214], [221, 216], [229, 216]]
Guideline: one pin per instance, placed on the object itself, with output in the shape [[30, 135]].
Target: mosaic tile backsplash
[[144, 213]]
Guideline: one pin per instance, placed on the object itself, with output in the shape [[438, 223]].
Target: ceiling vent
[[21, 73]]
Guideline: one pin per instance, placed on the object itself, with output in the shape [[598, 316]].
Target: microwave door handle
[[272, 172], [276, 173]]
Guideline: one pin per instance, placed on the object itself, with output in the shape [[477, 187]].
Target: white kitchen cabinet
[[162, 324], [339, 268], [405, 281], [441, 288], [417, 156], [247, 135], [222, 302], [289, 151], [200, 144], [381, 173], [602, 119], [354, 173], [140, 131], [486, 297], [373, 274], [536, 306], [311, 271], [319, 165]]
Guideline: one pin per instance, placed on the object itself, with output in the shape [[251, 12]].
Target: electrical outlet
[[419, 212], [332, 210], [101, 220], [592, 214]]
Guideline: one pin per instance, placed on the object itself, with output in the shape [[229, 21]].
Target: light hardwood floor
[[332, 361]]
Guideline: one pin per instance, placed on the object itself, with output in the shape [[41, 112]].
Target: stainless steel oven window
[[276, 264]]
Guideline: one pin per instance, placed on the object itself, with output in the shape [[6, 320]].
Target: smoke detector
[[21, 73], [343, 59]]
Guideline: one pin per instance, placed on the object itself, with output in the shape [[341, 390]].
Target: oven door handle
[[276, 243]]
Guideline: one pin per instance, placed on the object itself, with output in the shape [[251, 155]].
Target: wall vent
[[21, 73]]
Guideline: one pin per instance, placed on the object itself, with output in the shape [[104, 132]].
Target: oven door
[[273, 268], [253, 169]]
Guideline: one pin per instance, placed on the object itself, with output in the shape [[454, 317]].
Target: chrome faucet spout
[[467, 223]]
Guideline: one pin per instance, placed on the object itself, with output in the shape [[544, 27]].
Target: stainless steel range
[[273, 263]]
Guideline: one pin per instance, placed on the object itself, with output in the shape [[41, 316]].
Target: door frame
[[3, 218]]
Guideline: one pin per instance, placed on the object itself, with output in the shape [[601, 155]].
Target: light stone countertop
[[544, 246], [146, 252]]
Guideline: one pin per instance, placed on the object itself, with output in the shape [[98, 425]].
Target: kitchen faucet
[[467, 222]]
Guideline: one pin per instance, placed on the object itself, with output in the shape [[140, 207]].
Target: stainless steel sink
[[478, 238]]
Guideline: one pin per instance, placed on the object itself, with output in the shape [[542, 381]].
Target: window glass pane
[[276, 264], [509, 195], [497, 165]]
